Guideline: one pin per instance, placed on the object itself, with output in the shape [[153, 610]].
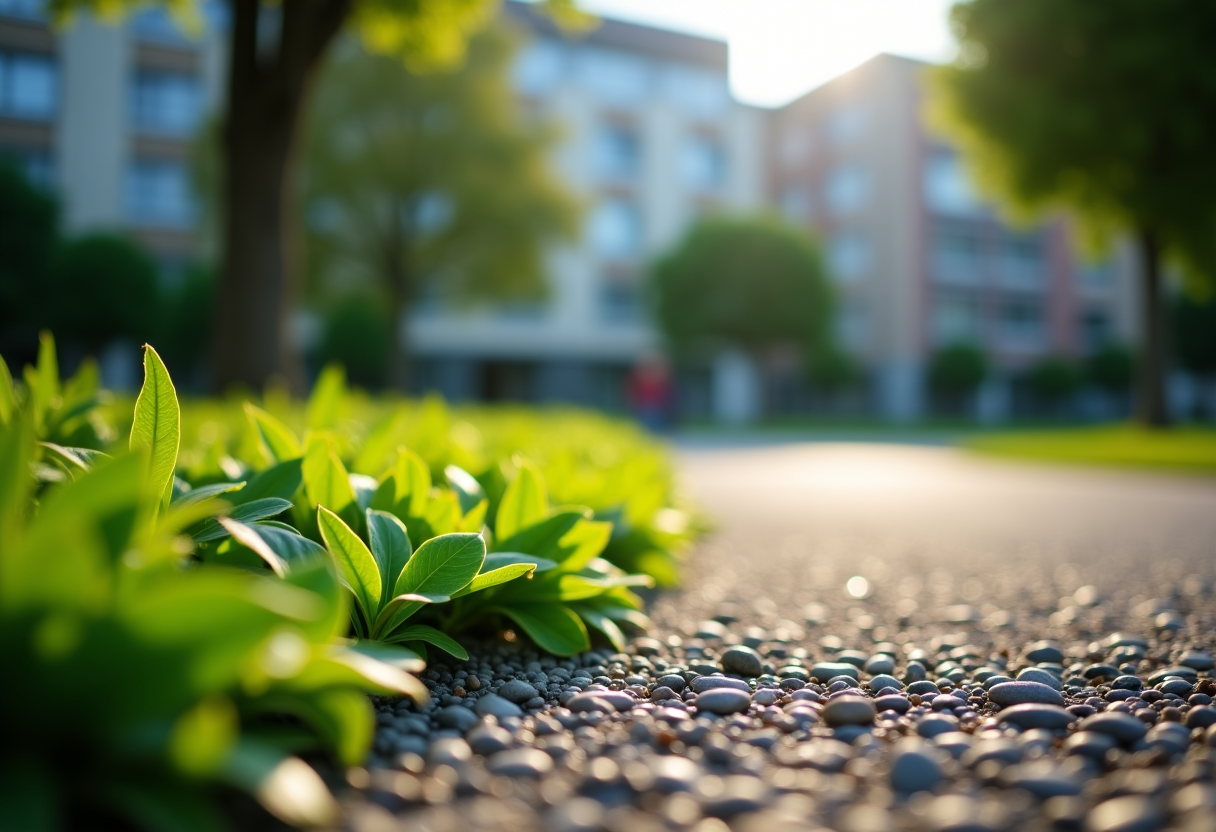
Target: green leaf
[[43, 382], [468, 490], [421, 632], [442, 565], [281, 480], [204, 492], [325, 479], [257, 510], [27, 796], [328, 396], [364, 489], [544, 538], [554, 627], [400, 608], [157, 425], [379, 443], [355, 563], [158, 802], [475, 518], [443, 513], [399, 657], [600, 621], [524, 504], [494, 577], [497, 560], [251, 540], [285, 786], [390, 545], [413, 480], [8, 395], [287, 543], [279, 440]]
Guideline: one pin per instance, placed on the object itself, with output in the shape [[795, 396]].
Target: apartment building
[[104, 115], [919, 261], [652, 139]]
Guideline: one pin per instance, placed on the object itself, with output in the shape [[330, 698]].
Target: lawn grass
[[1183, 449]]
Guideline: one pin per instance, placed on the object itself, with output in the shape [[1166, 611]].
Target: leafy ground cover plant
[[140, 678]]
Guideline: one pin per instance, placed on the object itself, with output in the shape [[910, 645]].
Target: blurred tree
[[274, 50], [187, 310], [1053, 380], [1104, 109], [1195, 345], [105, 288], [29, 218], [834, 371], [753, 283], [1111, 368], [429, 183], [956, 372], [357, 336]]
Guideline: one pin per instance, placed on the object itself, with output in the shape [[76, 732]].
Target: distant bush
[[1111, 369], [105, 288], [28, 235], [957, 370], [1053, 380], [358, 335]]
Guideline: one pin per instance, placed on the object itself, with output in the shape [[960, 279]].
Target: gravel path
[[874, 638]]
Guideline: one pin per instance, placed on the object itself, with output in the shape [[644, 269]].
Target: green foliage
[[1195, 334], [29, 218], [143, 686], [1111, 368], [750, 282], [105, 288], [1100, 108], [358, 335], [1053, 379], [833, 370], [957, 370]]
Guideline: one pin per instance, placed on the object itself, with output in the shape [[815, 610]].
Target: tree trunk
[[1152, 370], [268, 83]]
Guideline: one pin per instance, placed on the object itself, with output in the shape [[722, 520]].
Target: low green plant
[[139, 680]]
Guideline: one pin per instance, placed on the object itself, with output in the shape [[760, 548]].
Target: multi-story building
[[105, 114], [919, 261], [653, 139]]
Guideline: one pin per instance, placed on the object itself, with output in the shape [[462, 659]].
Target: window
[[956, 256], [701, 93], [849, 256], [23, 9], [946, 186], [853, 325], [165, 103], [29, 86], [158, 194], [157, 25], [1097, 274], [619, 299], [613, 77], [1021, 321], [956, 320], [616, 229], [1023, 260], [538, 70], [1095, 329], [846, 190], [703, 163], [846, 126], [617, 150], [795, 203]]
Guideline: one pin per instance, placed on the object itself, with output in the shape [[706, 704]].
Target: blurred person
[[650, 389]]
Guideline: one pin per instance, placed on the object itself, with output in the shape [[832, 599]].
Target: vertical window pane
[[167, 103], [703, 163], [158, 194], [849, 255], [617, 151], [847, 189], [29, 86], [616, 229]]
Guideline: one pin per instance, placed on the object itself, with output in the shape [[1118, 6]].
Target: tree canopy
[[752, 282]]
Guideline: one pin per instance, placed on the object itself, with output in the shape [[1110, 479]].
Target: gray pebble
[[590, 701], [743, 661], [723, 701], [914, 767], [934, 724], [517, 691], [673, 774], [1043, 677], [879, 664], [449, 751], [732, 795], [882, 680], [1131, 813], [1035, 715], [823, 671], [457, 716], [1123, 727], [673, 681], [494, 705], [1042, 779], [704, 683], [1203, 716], [1089, 744], [489, 739], [1044, 651], [1197, 660], [1022, 692], [520, 762], [849, 710]]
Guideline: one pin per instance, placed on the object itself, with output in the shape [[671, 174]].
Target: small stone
[[882, 680], [1036, 715], [494, 705], [1181, 671], [1123, 727], [1022, 692], [704, 683], [520, 762], [449, 751], [589, 701], [723, 701], [1044, 651], [823, 671], [1197, 660], [879, 664], [1201, 717], [517, 691], [1043, 677], [458, 717], [894, 702], [743, 661], [576, 814], [914, 767], [489, 739], [1131, 813], [732, 795], [849, 710], [673, 681], [923, 687], [1042, 778], [1090, 744], [934, 724], [673, 774]]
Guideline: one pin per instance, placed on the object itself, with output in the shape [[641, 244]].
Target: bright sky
[[780, 49]]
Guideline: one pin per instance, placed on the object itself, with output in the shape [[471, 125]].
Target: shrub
[[957, 370], [1053, 380], [1111, 368], [105, 288], [358, 334]]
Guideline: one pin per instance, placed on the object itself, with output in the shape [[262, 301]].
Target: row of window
[[847, 190], [161, 103], [619, 78], [843, 128], [617, 153]]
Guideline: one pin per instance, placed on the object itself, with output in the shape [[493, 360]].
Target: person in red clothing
[[650, 392]]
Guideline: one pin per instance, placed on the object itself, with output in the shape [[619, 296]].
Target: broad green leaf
[[28, 799], [390, 545], [379, 443], [157, 425], [16, 451], [475, 519], [413, 480], [497, 560], [73, 461], [442, 565], [355, 563], [325, 479], [285, 786], [327, 399], [421, 632], [584, 543], [281, 480], [42, 382], [597, 619], [443, 513], [400, 608], [554, 627], [279, 440], [468, 490], [204, 492], [364, 489], [494, 577], [251, 540], [525, 503], [8, 395], [287, 543], [395, 655], [544, 538], [257, 510], [203, 736]]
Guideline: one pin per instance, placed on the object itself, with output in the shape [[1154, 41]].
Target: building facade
[[918, 260]]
